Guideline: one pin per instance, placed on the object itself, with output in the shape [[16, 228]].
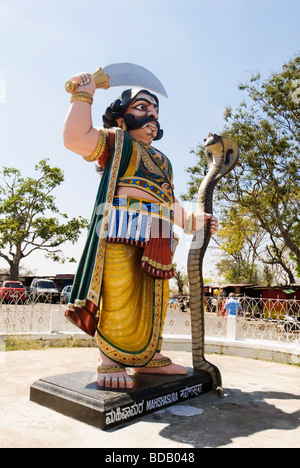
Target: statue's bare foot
[[162, 365], [112, 375]]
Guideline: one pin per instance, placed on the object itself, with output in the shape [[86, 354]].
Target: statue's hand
[[86, 83], [200, 220], [214, 225]]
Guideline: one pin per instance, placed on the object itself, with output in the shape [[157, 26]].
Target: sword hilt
[[101, 80]]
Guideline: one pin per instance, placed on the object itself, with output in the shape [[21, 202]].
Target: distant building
[[265, 292]]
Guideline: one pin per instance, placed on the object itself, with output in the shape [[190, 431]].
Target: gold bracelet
[[100, 148], [188, 223], [82, 97]]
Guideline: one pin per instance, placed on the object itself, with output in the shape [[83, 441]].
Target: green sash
[[85, 297]]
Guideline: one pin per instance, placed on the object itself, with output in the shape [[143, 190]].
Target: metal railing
[[275, 320], [34, 315]]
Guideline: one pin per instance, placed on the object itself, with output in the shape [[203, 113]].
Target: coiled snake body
[[222, 155]]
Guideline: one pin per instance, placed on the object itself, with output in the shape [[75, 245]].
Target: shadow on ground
[[221, 421], [239, 414]]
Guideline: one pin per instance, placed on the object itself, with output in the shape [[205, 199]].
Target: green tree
[[265, 184], [241, 239], [180, 278], [29, 217]]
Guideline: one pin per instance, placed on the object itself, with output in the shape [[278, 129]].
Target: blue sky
[[200, 50]]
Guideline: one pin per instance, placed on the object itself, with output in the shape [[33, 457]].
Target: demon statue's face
[[137, 112]]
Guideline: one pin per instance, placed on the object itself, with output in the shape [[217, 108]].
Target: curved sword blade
[[129, 74]]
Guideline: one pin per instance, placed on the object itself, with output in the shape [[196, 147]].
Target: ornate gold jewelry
[[86, 97], [109, 369], [163, 362], [99, 150], [188, 223]]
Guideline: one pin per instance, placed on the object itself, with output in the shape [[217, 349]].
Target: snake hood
[[222, 151]]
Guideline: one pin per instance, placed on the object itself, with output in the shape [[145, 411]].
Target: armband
[[100, 148], [82, 97]]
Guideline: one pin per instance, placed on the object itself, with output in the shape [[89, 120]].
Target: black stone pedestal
[[77, 395]]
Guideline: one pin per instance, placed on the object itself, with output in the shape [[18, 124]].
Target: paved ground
[[261, 407]]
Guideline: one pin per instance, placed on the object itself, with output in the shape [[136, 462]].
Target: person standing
[[232, 306]]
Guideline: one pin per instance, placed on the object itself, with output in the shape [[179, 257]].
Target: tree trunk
[[14, 271], [15, 264]]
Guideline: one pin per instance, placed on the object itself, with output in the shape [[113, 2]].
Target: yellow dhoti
[[133, 308]]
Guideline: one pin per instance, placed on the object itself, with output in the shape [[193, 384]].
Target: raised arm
[[78, 132]]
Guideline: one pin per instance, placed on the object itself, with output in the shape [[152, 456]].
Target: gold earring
[[124, 126]]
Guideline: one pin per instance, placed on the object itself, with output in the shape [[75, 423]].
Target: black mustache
[[133, 123]]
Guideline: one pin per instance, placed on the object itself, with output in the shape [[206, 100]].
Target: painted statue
[[121, 289]]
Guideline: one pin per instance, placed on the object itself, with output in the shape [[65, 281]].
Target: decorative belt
[[132, 219], [147, 224]]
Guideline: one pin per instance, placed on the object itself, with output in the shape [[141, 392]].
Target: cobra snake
[[222, 155]]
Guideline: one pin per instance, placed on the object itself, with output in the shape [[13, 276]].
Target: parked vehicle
[[12, 291], [65, 294], [44, 291], [291, 323]]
